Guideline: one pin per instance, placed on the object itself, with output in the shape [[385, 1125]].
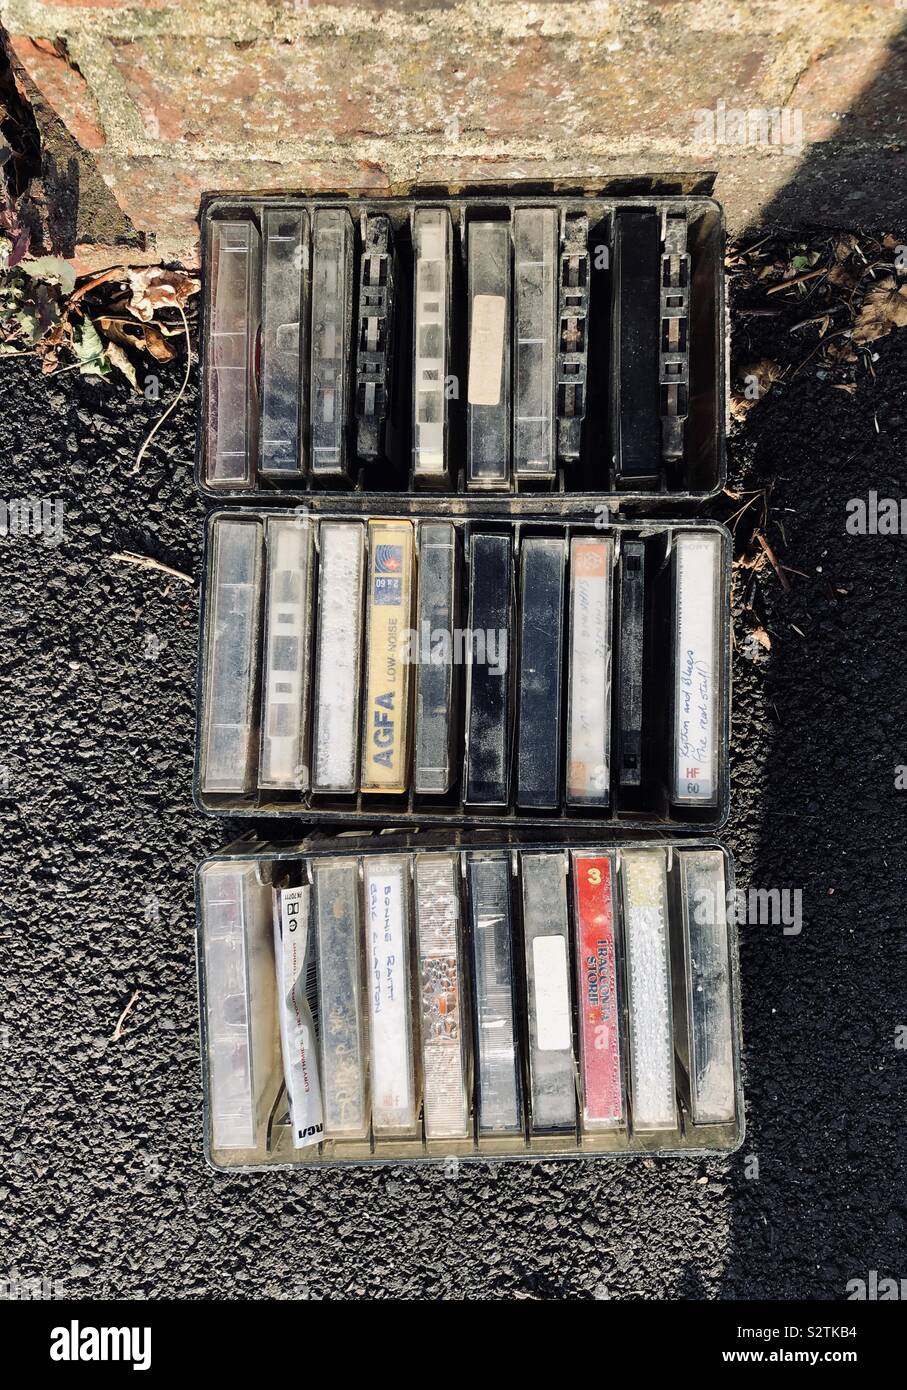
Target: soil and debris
[[121, 319]]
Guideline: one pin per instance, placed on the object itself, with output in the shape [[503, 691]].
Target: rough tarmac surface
[[104, 1188]]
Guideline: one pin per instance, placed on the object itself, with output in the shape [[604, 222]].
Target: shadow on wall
[[817, 1194], [64, 199]]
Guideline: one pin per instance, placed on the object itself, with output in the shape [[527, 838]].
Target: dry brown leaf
[[884, 308], [157, 344], [841, 275], [142, 337], [153, 288], [762, 637], [754, 381], [119, 359]]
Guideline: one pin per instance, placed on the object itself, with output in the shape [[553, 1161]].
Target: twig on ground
[[149, 563], [773, 561], [118, 1031]]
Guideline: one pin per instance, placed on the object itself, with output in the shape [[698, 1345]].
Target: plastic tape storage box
[[472, 996], [405, 354], [425, 619], [390, 671]]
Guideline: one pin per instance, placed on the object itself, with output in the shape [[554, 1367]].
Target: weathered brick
[[858, 85], [347, 87], [164, 194], [278, 94], [63, 86]]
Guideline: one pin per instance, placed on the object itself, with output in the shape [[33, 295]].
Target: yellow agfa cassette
[[385, 720]]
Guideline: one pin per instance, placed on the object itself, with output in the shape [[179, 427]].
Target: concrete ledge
[[797, 109]]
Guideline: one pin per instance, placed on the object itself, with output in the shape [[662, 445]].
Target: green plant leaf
[[89, 350], [51, 268]]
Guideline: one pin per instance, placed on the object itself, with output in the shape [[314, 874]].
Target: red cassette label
[[597, 996]]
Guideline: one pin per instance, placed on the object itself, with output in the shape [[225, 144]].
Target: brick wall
[[165, 102]]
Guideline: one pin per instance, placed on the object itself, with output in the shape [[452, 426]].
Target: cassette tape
[[541, 650], [395, 1104], [375, 350], [332, 309], [288, 620], [295, 978], [589, 690], [241, 1032], [697, 564], [284, 342], [385, 725], [487, 772], [488, 389], [703, 1006], [433, 238], [631, 636], [674, 359], [499, 1091], [436, 722], [467, 993], [417, 677], [535, 290], [648, 968], [227, 761], [573, 334], [342, 1005], [598, 992], [444, 1016], [635, 321], [430, 347], [546, 935], [338, 656], [233, 254]]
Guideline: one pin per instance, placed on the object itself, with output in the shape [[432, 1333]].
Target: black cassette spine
[[488, 679], [630, 658], [541, 647]]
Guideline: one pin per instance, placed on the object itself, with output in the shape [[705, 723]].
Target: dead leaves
[[123, 363], [836, 294], [154, 288], [105, 321], [754, 381], [141, 337], [884, 308]]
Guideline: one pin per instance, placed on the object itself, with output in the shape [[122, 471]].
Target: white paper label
[[297, 1029], [486, 349], [552, 993], [392, 1099], [695, 669], [339, 638], [651, 1037], [590, 672]]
